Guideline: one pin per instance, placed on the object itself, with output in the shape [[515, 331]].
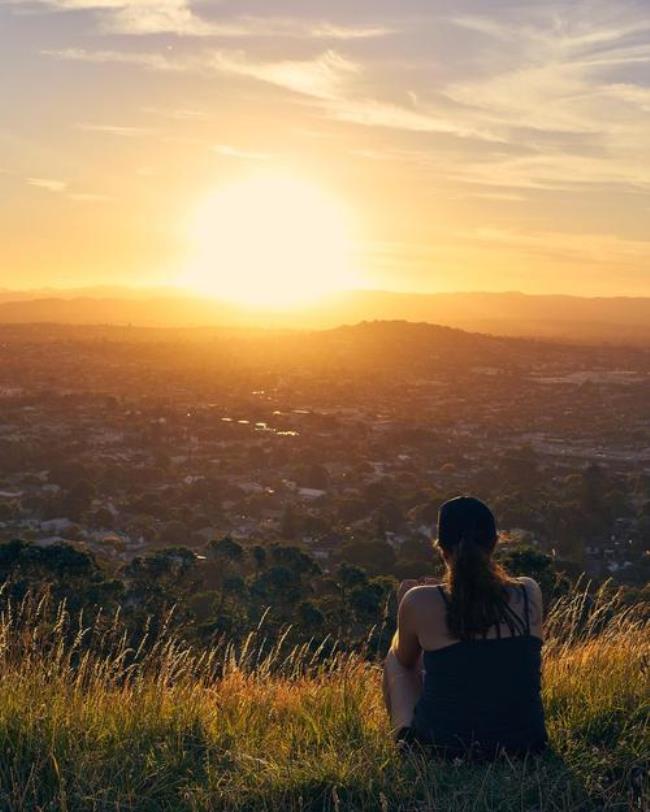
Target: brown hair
[[477, 584]]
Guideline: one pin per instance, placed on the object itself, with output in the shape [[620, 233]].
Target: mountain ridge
[[622, 319]]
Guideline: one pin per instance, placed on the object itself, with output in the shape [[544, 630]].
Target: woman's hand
[[409, 583]]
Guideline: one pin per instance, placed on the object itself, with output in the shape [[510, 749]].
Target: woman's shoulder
[[531, 586], [424, 596], [535, 602]]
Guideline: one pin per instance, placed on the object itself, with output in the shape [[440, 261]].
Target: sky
[[467, 145]]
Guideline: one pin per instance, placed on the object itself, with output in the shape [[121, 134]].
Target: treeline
[[229, 589]]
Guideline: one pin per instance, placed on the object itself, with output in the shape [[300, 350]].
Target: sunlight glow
[[271, 240]]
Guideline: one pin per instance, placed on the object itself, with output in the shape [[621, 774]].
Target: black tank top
[[483, 694]]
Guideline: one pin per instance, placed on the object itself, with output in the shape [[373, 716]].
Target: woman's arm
[[406, 644], [535, 606]]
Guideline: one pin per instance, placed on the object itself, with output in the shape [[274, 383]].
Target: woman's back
[[479, 647], [483, 693]]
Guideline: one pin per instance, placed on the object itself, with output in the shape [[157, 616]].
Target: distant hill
[[572, 318]]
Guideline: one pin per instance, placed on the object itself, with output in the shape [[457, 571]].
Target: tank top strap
[[444, 595], [525, 594]]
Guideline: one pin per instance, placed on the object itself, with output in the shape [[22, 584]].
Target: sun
[[271, 240]]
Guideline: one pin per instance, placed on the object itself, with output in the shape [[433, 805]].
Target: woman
[[463, 671]]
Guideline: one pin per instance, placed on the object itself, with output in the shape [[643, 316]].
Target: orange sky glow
[[271, 157]]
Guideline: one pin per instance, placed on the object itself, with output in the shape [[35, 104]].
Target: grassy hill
[[87, 723]]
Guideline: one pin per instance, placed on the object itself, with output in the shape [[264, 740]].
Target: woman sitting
[[464, 669]]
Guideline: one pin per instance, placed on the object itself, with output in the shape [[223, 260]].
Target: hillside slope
[[92, 725]]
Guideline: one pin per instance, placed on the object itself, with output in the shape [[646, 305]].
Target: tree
[[520, 559], [67, 473], [416, 557], [520, 468], [224, 559], [347, 577], [288, 525], [7, 511], [173, 533], [259, 557], [593, 488], [316, 476], [102, 517], [296, 559], [377, 557], [376, 492], [367, 602], [78, 499], [155, 582], [310, 616], [351, 510], [225, 549], [64, 570], [279, 588], [391, 515], [427, 513]]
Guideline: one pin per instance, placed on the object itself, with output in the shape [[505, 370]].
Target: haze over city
[[269, 154]]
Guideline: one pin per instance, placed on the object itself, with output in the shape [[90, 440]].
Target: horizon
[[619, 320], [277, 158], [166, 290]]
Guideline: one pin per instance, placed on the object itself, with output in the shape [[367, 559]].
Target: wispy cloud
[[328, 79], [48, 184], [62, 187], [120, 130], [376, 113], [150, 60], [180, 17], [554, 171], [323, 77], [546, 82], [138, 17], [555, 88]]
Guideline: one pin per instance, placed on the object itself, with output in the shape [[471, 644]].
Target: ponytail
[[477, 584]]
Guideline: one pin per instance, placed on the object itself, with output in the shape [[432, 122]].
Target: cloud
[[127, 16], [553, 87], [544, 81], [375, 113], [327, 78], [61, 187], [552, 171], [322, 77], [49, 184], [151, 60], [142, 17], [115, 129]]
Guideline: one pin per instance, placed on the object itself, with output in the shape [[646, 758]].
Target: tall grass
[[87, 722]]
